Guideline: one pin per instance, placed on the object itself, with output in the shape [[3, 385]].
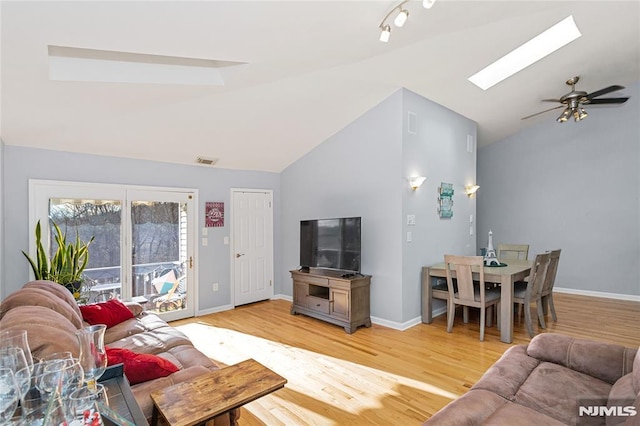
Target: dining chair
[[525, 293], [513, 251], [468, 293], [547, 287]]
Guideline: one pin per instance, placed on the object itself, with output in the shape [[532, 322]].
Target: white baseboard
[[396, 325], [442, 310], [282, 297], [618, 296], [214, 310]]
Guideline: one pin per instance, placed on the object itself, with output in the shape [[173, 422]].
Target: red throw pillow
[[140, 367], [110, 313]]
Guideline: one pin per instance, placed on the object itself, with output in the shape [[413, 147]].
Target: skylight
[[561, 34], [78, 64]]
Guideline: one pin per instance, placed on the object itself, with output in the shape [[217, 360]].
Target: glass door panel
[[102, 220], [161, 254]]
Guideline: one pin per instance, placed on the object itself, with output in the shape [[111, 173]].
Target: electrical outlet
[[215, 286]]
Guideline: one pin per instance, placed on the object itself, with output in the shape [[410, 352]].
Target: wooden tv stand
[[328, 296]]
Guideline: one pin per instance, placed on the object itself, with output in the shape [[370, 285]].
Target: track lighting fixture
[[401, 16]]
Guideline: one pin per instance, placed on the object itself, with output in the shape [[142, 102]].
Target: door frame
[[233, 192]]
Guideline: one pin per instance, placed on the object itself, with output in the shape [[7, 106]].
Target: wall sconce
[[470, 190], [416, 181]]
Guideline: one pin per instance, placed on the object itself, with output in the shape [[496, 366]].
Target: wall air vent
[[206, 161]]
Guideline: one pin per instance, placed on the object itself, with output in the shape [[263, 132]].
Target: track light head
[[385, 34], [401, 18], [428, 4]]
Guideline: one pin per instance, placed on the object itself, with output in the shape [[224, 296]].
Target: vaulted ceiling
[[309, 69]]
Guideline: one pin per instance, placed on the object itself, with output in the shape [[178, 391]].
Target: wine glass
[[17, 339], [64, 375], [93, 357], [14, 359], [83, 404], [9, 395]]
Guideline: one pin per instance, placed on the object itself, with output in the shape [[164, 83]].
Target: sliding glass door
[[143, 245]]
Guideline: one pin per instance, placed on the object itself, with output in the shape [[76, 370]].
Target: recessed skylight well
[[561, 34], [80, 64]]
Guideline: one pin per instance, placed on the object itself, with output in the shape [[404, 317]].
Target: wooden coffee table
[[205, 397]]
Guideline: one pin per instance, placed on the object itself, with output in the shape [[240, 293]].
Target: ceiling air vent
[[206, 161]]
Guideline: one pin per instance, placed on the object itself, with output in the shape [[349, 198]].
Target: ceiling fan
[[573, 101]]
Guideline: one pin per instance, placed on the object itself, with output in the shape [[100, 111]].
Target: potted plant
[[66, 265]]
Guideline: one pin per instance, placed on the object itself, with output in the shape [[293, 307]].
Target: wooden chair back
[[464, 275], [513, 251], [538, 276], [552, 270]]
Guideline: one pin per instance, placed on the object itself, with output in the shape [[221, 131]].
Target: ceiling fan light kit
[[401, 17]]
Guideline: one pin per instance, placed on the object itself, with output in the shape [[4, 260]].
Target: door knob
[[239, 254]]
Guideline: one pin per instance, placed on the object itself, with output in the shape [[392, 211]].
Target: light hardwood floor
[[377, 375]]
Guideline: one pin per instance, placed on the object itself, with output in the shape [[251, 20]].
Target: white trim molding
[[618, 296]]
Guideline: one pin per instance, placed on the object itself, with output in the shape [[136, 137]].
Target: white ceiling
[[312, 68]]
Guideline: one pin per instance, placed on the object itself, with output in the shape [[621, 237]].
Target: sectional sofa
[[51, 317], [554, 380]]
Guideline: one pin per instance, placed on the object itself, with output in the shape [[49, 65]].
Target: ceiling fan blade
[[551, 100], [542, 112], [606, 101], [604, 91]]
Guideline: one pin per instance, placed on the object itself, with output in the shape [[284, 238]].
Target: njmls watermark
[[605, 409]]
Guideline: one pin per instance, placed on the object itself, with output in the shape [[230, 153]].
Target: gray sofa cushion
[[556, 391], [508, 374]]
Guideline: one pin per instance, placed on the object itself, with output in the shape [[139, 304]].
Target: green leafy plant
[[68, 262]]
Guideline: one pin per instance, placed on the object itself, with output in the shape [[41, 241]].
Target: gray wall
[[436, 149], [363, 171], [574, 186], [22, 164], [3, 293], [357, 172]]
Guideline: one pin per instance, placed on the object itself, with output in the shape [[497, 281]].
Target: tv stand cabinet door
[[300, 293], [340, 304]]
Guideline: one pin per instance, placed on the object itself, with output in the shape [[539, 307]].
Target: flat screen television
[[330, 244]]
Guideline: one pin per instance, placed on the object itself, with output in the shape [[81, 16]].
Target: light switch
[[470, 218], [409, 237], [226, 240], [205, 232], [205, 242]]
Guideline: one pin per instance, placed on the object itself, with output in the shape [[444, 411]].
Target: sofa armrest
[[604, 361]]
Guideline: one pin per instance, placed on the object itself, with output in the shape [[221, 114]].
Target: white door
[[252, 243]]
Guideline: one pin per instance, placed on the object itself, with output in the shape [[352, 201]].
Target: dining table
[[511, 271]]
